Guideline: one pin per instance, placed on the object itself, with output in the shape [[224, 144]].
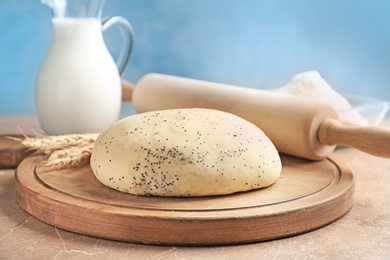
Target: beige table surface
[[363, 233]]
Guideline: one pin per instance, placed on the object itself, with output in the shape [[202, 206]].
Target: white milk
[[78, 87]]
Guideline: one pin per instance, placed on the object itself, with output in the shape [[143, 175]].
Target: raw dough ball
[[185, 153]]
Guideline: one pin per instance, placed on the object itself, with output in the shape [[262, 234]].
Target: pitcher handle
[[127, 30]]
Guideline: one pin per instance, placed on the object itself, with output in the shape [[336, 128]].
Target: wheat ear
[[64, 151]]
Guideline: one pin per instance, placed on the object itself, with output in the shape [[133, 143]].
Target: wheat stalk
[[65, 151], [69, 157]]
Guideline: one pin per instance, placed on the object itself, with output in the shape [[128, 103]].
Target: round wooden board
[[308, 195]]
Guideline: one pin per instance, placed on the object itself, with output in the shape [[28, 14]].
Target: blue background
[[253, 43]]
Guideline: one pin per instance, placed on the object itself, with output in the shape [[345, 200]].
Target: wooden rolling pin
[[297, 126]]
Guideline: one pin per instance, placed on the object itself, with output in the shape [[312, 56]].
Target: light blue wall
[[254, 43]]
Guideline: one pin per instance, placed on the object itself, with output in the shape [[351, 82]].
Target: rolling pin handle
[[127, 90], [369, 139]]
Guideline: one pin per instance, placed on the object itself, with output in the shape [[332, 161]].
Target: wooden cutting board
[[308, 196], [11, 152]]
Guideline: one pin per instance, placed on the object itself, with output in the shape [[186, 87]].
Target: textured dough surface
[[184, 153]]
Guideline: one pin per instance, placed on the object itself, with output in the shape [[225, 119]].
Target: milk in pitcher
[[78, 85]]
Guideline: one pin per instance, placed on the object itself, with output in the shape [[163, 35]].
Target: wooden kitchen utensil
[[308, 195], [12, 152], [297, 126]]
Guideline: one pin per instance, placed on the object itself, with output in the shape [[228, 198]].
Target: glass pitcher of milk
[[78, 86]]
